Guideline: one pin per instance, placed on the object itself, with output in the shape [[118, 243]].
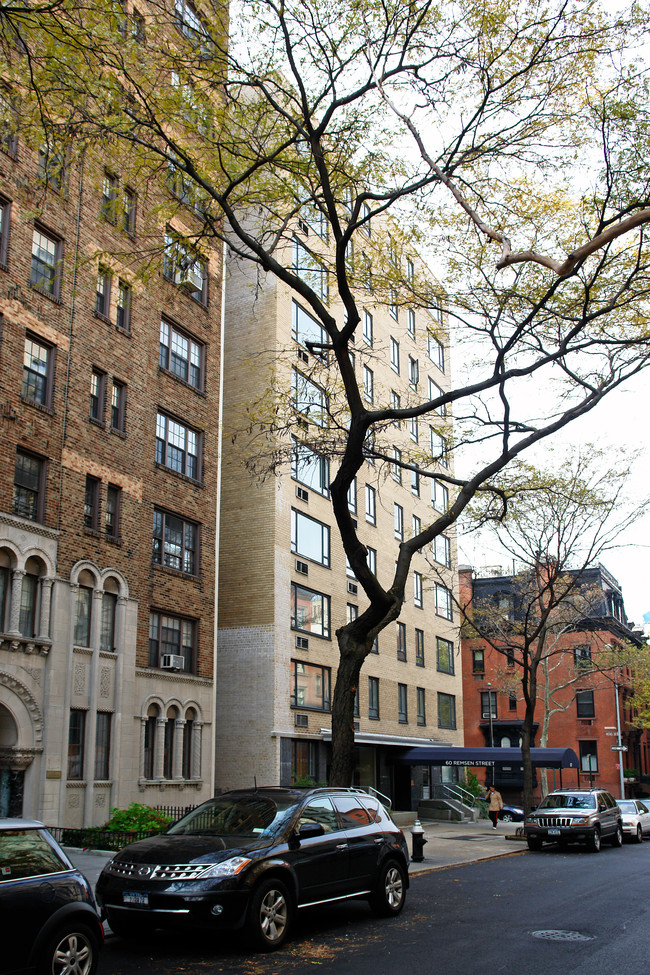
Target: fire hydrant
[[418, 842]]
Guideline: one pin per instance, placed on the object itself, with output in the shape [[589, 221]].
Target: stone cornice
[[174, 676], [27, 645], [24, 524]]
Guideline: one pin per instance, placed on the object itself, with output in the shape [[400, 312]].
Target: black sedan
[[249, 859], [49, 919]]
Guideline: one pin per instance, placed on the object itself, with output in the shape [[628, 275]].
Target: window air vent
[[302, 494], [302, 567], [303, 226], [301, 720], [172, 661], [356, 725], [302, 642], [302, 355], [353, 588]]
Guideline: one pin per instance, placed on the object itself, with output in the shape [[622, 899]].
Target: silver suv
[[575, 816]]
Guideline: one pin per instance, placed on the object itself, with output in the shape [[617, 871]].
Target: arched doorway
[[12, 779]]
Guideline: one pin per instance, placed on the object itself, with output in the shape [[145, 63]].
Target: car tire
[[534, 843], [617, 838], [129, 927], [74, 948], [506, 818], [270, 915], [593, 843], [639, 834], [389, 895]]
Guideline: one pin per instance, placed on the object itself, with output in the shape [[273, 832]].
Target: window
[[415, 483], [150, 729], [306, 329], [512, 702], [97, 395], [438, 446], [91, 503], [186, 268], [414, 372], [351, 612], [29, 486], [396, 404], [191, 25], [107, 622], [103, 293], [442, 550], [510, 656], [181, 355], [124, 295], [83, 613], [436, 351], [439, 496], [310, 611], [309, 269], [371, 505], [52, 168], [478, 661], [175, 542], [396, 467], [417, 589], [373, 698], [394, 355], [5, 597], [582, 655], [128, 212], [398, 521], [310, 686], [38, 370], [5, 220], [169, 743], [414, 432], [310, 538], [588, 756], [402, 704], [392, 305], [367, 328], [488, 704], [310, 469], [109, 198], [113, 506], [435, 392], [400, 632], [188, 744], [410, 323], [352, 496], [137, 26], [118, 406], [368, 384], [585, 704], [172, 634], [422, 706], [309, 400], [27, 608], [349, 571], [45, 273], [419, 648], [446, 710], [102, 746], [178, 447], [371, 559], [444, 656], [443, 602], [76, 742], [8, 123], [416, 525], [410, 271]]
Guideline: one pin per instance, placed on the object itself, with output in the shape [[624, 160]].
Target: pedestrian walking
[[495, 804]]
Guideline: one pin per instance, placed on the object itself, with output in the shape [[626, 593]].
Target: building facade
[[284, 584], [108, 493], [582, 700]]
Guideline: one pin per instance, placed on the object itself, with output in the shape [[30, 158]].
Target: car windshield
[[243, 816], [568, 801], [627, 806]]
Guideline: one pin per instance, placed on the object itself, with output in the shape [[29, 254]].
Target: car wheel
[[269, 915], [507, 817], [389, 895], [617, 838], [594, 841], [639, 834], [534, 843], [129, 927], [73, 950]]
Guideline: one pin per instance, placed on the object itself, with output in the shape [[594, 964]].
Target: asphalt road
[[547, 913]]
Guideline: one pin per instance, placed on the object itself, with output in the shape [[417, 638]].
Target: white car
[[636, 818]]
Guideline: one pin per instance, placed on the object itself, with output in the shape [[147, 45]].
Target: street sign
[[619, 748]]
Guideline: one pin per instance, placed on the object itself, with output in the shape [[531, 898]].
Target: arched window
[[170, 739], [83, 609], [109, 604], [150, 729], [188, 743], [6, 563], [29, 598]]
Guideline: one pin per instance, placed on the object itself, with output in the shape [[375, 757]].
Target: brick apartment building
[[284, 585], [585, 716], [109, 424]]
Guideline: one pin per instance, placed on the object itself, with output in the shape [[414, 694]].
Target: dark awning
[[486, 757]]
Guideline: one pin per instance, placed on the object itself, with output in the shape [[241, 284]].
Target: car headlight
[[228, 868], [582, 821]]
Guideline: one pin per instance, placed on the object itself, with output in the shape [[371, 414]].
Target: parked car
[[636, 818], [249, 859], [50, 922], [575, 816], [511, 814]]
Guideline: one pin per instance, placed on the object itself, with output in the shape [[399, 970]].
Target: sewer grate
[[556, 935]]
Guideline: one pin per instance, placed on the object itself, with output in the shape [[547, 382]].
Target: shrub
[[137, 818]]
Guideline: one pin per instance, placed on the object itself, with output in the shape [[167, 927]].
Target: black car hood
[[188, 849]]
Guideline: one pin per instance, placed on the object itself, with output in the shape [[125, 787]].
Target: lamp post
[[618, 737]]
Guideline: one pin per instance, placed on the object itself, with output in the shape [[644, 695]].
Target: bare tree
[[470, 125]]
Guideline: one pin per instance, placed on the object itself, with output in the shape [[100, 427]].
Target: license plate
[[133, 897], [554, 832]]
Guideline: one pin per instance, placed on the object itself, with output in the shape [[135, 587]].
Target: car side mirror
[[307, 830]]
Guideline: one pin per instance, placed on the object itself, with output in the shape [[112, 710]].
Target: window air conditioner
[[301, 720], [353, 588], [302, 642], [172, 661], [302, 494], [302, 355], [302, 567], [189, 278]]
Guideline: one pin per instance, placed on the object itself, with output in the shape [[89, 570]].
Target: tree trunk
[[352, 656]]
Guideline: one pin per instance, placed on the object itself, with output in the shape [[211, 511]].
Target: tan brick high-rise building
[[284, 588], [109, 431]]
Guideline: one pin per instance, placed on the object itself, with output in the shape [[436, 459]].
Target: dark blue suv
[[250, 859], [48, 917]]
